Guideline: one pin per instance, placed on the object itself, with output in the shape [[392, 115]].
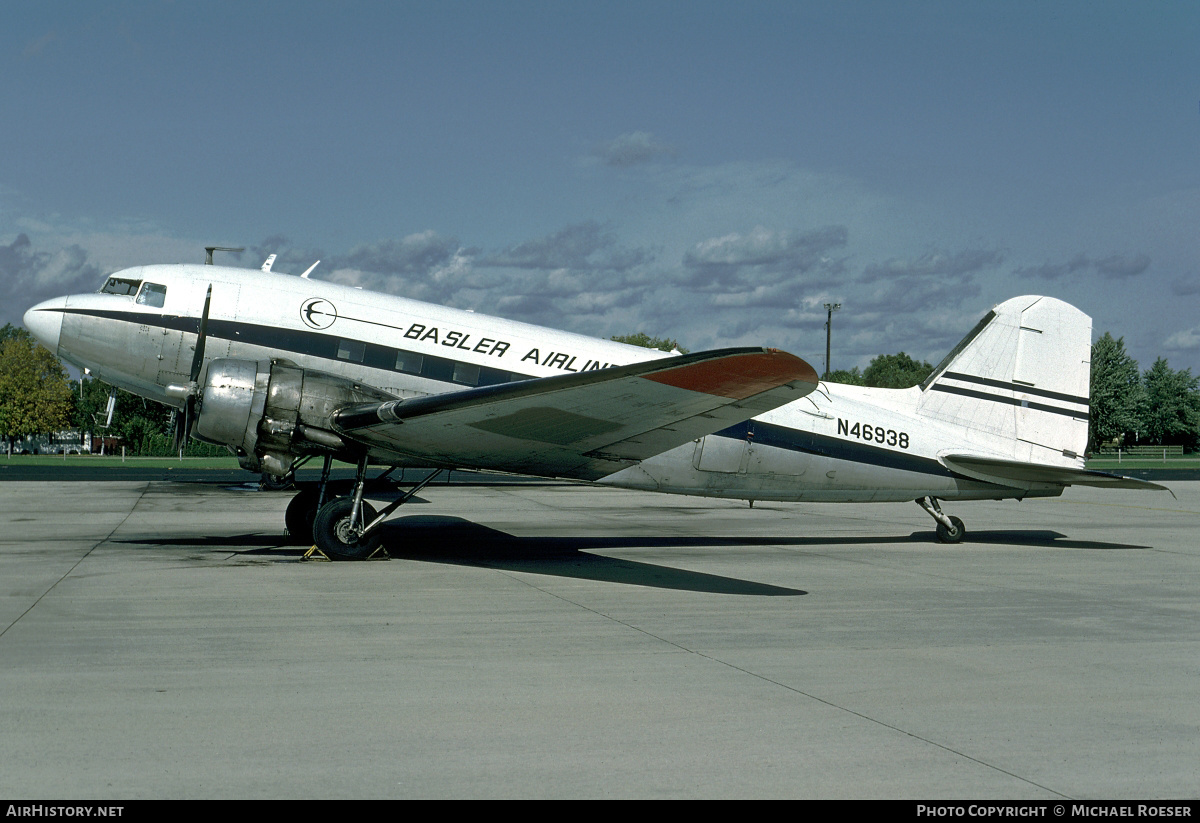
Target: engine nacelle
[[269, 412]]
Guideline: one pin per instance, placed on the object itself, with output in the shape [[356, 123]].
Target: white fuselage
[[838, 444]]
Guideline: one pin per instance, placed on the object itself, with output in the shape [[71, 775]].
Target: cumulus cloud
[[935, 265], [632, 149], [1188, 339], [38, 275], [414, 254], [1186, 287], [568, 279], [762, 257], [583, 246], [579, 278], [1113, 266], [893, 298], [424, 266], [1122, 265], [897, 304]]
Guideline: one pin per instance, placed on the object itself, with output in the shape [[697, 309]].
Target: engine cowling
[[269, 412]]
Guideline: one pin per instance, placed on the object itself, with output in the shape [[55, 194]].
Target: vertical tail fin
[[1022, 375]]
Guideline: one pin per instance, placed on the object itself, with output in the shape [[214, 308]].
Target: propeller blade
[[177, 429], [198, 359], [185, 417]]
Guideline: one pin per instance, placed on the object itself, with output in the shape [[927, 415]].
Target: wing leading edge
[[586, 425]]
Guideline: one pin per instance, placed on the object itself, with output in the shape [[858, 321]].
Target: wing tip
[[740, 375]]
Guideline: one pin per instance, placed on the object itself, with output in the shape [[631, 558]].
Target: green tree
[[853, 377], [35, 397], [647, 342], [1118, 399], [91, 410], [143, 426], [11, 332], [895, 371], [1172, 414]]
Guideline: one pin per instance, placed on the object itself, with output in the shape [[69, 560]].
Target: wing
[[1021, 475], [585, 425]]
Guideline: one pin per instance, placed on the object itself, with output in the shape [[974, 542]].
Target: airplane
[[283, 369]]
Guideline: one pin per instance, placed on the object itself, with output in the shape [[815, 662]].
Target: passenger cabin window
[[152, 294], [120, 285], [351, 350], [466, 373], [409, 362]]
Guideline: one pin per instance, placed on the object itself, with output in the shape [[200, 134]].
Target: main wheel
[[953, 535], [331, 530], [299, 517]]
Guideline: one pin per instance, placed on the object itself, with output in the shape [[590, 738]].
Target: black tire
[[332, 534], [954, 535], [299, 517]]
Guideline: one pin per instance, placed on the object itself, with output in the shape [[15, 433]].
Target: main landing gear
[[346, 527], [949, 529]]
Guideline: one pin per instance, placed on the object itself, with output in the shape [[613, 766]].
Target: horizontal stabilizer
[[1018, 474]]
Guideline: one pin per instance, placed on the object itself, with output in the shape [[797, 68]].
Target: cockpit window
[[152, 294], [120, 285]]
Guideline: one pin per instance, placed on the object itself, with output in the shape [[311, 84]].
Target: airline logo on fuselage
[[318, 313]]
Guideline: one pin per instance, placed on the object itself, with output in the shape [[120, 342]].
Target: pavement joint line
[[791, 689], [80, 559]]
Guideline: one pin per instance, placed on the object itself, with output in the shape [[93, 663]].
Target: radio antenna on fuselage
[[208, 252]]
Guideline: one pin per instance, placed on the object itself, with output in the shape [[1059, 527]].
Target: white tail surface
[[1022, 376]]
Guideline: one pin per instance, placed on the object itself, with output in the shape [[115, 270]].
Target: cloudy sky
[[711, 171]]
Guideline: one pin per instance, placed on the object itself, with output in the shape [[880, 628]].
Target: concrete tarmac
[[160, 640]]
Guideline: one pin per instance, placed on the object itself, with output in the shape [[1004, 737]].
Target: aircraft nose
[[44, 321]]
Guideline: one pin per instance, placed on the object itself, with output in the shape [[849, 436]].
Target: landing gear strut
[[339, 526], [346, 528], [302, 511], [949, 529]]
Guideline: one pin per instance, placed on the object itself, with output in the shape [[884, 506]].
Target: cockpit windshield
[[152, 294], [148, 294], [120, 285]]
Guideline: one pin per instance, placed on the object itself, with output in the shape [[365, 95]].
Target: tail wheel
[[951, 535], [333, 534]]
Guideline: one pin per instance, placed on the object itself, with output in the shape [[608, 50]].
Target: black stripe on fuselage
[[323, 346], [315, 344], [835, 448], [1009, 401], [1017, 387]]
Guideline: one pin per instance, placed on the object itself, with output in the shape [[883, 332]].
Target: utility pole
[[830, 308]]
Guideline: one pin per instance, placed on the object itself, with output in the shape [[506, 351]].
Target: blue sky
[[708, 171]]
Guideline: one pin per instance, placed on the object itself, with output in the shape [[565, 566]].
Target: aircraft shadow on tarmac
[[443, 538], [455, 541]]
